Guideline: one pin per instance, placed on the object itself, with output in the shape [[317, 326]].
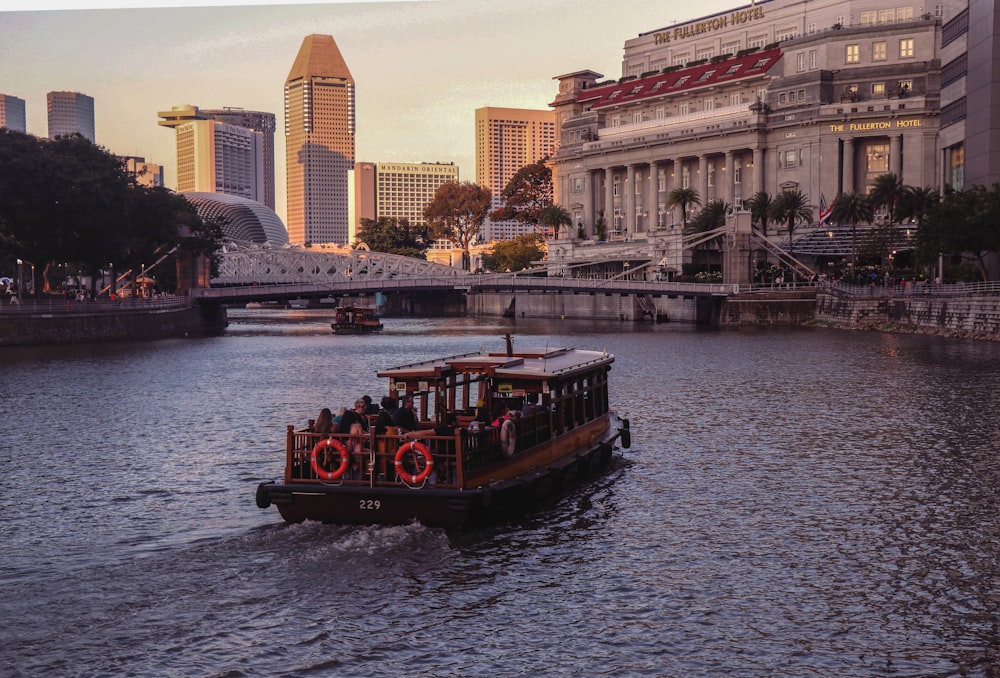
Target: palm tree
[[682, 197], [711, 216], [853, 208], [760, 209], [917, 202], [790, 207], [887, 191], [554, 217]]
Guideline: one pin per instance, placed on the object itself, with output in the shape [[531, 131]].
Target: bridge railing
[[918, 288], [63, 306]]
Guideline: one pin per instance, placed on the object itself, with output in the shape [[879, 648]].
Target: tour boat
[[355, 320], [471, 472]]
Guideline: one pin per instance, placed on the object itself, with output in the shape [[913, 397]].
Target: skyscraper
[[319, 143], [399, 190], [507, 139], [232, 153], [12, 114], [70, 113]]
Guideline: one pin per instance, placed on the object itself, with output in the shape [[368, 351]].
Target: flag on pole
[[824, 211]]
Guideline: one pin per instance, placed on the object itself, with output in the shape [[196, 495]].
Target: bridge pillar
[[736, 267]]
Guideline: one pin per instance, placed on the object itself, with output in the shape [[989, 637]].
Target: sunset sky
[[421, 67]]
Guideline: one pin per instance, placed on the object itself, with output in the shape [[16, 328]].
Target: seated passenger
[[405, 418]]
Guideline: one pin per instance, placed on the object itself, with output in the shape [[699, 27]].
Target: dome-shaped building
[[245, 220]]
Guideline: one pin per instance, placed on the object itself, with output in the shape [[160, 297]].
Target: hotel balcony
[[714, 121]]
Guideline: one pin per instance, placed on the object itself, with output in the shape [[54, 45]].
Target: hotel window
[[878, 89], [684, 108], [813, 59], [732, 69], [757, 41], [782, 98], [887, 16], [681, 80], [681, 59], [709, 103], [802, 95], [685, 177], [711, 173], [785, 34], [800, 62], [706, 75], [615, 188], [810, 28], [904, 14], [840, 21], [878, 51], [577, 184], [905, 48], [737, 173], [939, 10], [854, 54], [791, 159], [734, 99], [638, 183], [706, 53], [616, 121], [637, 116], [661, 112], [869, 18], [906, 84], [791, 97], [661, 180], [730, 48]]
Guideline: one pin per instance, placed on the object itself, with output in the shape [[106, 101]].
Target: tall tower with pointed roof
[[319, 142]]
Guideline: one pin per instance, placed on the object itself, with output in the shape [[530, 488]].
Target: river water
[[795, 503]]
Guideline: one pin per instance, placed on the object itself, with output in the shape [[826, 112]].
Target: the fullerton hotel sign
[[740, 16]]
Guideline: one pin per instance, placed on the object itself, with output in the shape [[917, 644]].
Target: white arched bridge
[[249, 273]]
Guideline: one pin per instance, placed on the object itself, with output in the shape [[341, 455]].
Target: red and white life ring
[[407, 477], [345, 459]]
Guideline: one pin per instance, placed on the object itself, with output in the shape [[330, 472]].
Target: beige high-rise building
[[319, 143], [507, 139]]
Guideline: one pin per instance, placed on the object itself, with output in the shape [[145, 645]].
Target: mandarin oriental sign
[[740, 16], [876, 125]]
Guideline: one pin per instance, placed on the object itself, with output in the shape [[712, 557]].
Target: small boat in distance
[[355, 320], [550, 429]]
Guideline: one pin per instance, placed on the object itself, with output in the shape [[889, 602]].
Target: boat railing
[[373, 456]]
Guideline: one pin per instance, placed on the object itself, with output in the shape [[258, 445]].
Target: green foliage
[[887, 193], [601, 227], [394, 236], [789, 208], [554, 217], [526, 194], [516, 254], [852, 208], [70, 201], [760, 206], [457, 213], [712, 215], [683, 198], [963, 222]]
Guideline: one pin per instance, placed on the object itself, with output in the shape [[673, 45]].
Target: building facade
[[214, 157], [70, 113], [507, 139], [399, 190], [145, 173], [12, 113], [258, 121], [320, 128]]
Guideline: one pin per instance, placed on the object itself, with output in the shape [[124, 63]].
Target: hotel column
[[589, 218], [896, 155], [848, 168], [676, 182], [728, 194], [652, 221], [609, 199], [630, 184], [703, 179], [758, 170]]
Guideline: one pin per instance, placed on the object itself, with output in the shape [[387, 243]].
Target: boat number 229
[[370, 504]]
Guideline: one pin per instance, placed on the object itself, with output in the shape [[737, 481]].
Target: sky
[[421, 67]]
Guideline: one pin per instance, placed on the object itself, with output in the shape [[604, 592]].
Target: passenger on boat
[[370, 407], [405, 418], [530, 403], [482, 414], [324, 422], [355, 423], [339, 417], [384, 419]]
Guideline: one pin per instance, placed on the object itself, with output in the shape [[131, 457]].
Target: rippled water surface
[[795, 503]]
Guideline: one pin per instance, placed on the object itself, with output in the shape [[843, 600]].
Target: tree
[[516, 254], [760, 206], [601, 227], [712, 216], [683, 198], [964, 222], [852, 208], [917, 202], [553, 218], [394, 236], [887, 192], [457, 213], [789, 208], [527, 193]]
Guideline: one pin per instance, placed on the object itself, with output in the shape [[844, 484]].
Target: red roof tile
[[682, 79]]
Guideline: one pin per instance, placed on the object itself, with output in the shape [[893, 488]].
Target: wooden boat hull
[[448, 508]]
